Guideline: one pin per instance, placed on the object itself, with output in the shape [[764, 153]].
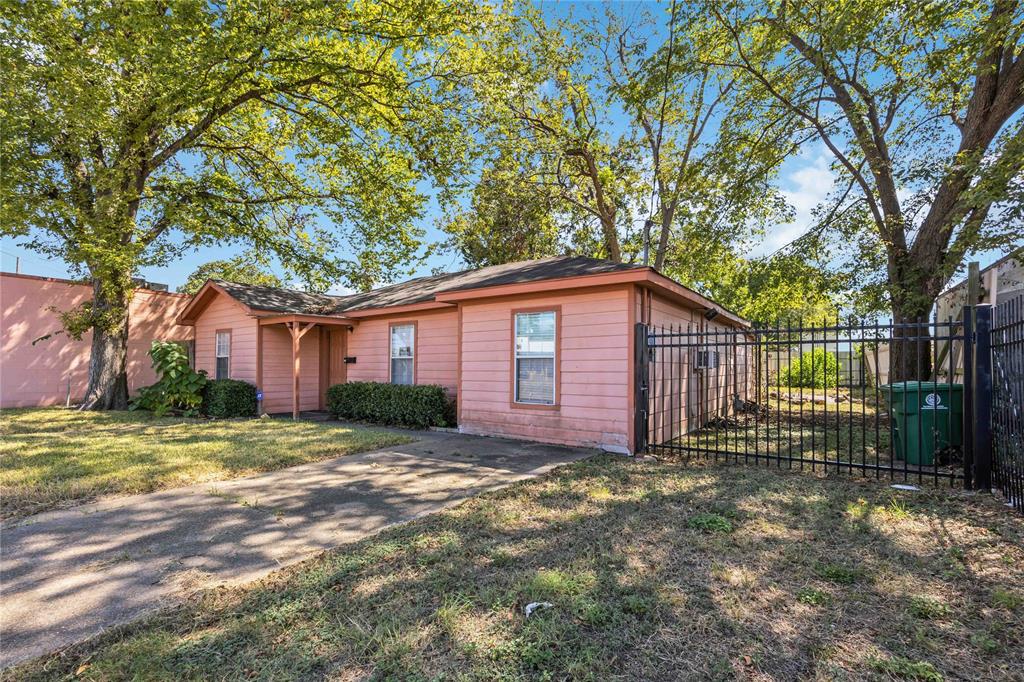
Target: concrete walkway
[[65, 576]]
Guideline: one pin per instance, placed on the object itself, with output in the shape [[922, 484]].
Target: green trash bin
[[927, 417]]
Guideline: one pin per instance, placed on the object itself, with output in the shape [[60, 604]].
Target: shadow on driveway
[[68, 575]]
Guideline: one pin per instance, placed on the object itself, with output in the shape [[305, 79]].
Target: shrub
[[814, 369], [178, 387], [226, 398], [416, 406]]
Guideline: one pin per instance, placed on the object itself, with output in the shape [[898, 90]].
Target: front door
[[332, 360]]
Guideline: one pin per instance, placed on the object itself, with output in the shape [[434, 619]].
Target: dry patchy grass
[[656, 571], [56, 457]]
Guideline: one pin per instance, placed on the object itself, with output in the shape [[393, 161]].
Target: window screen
[[223, 355], [535, 358], [403, 343]]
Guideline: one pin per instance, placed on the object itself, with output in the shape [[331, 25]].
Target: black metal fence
[[1007, 344], [926, 401], [781, 396]]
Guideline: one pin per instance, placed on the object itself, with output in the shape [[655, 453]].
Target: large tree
[[919, 105], [707, 157], [246, 269], [614, 119], [133, 131]]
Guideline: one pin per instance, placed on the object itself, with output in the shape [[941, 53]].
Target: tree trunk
[[913, 290], [108, 363], [910, 356]]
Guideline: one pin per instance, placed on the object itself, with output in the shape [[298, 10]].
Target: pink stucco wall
[[38, 375], [593, 363], [437, 334]]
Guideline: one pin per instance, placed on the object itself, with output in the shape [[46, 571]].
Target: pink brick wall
[[34, 376], [593, 365]]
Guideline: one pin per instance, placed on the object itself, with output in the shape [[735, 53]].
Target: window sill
[[534, 406]]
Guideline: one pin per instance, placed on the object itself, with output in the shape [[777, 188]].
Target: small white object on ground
[[536, 606], [904, 486]]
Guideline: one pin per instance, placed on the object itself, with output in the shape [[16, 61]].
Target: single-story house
[[540, 350], [40, 365]]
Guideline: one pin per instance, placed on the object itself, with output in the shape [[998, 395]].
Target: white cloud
[[805, 186]]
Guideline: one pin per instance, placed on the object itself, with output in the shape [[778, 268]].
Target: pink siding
[[38, 375], [593, 363], [685, 397], [437, 334], [277, 370], [224, 313]]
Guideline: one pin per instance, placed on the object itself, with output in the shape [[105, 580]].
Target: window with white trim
[[403, 345], [535, 358], [223, 355]]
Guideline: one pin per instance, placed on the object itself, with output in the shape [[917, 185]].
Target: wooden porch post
[[297, 331]]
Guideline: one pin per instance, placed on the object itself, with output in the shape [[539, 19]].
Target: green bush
[[179, 386], [226, 398], [417, 406], [814, 369]]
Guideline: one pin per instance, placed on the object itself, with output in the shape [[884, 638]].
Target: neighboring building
[[998, 282], [541, 350], [40, 365]]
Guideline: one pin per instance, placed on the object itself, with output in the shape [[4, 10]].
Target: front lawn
[[56, 457], [654, 571]]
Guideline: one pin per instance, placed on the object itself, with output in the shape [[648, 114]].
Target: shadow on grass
[[803, 579]]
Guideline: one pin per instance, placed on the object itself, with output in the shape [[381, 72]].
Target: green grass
[[55, 457], [814, 581]]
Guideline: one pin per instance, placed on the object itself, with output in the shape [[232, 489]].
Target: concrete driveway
[[66, 576]]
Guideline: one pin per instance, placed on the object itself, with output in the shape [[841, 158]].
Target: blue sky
[[805, 181]]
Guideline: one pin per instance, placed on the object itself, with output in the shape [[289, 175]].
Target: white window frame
[[516, 357], [391, 351], [217, 353]]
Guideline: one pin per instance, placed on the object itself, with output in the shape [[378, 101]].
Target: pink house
[[40, 365], [540, 350]]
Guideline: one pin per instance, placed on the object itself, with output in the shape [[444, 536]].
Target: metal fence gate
[[832, 397], [1008, 400]]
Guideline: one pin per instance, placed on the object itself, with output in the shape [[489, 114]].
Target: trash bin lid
[[922, 386]]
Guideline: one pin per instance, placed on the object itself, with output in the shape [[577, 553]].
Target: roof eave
[[398, 309], [202, 299], [666, 285], [281, 318], [544, 285]]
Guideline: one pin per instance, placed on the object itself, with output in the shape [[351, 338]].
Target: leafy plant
[[904, 668], [927, 608], [837, 573], [710, 523], [179, 386], [816, 368], [1005, 599], [812, 596], [226, 398], [415, 406]]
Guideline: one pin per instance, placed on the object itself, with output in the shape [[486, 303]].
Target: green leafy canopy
[[135, 132]]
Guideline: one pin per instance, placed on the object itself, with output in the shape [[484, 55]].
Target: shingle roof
[[420, 289], [278, 300]]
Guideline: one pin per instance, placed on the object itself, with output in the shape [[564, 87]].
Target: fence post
[[641, 394], [981, 401], [968, 396]]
